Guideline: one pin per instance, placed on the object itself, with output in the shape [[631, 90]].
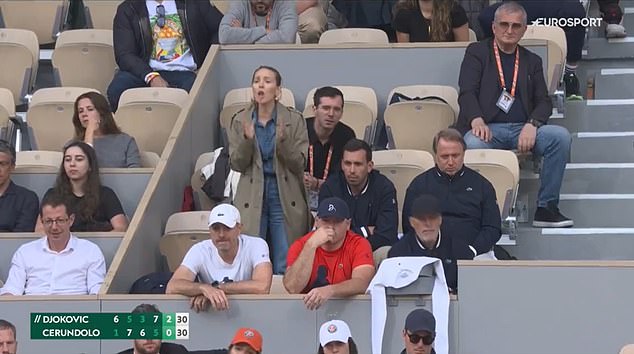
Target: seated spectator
[[470, 214], [326, 135], [8, 338], [575, 36], [153, 346], [331, 261], [419, 332], [166, 53], [370, 196], [259, 22], [335, 338], [18, 205], [95, 125], [267, 145], [97, 207], [312, 21], [58, 263], [426, 239], [501, 109], [228, 263], [430, 21], [368, 14]]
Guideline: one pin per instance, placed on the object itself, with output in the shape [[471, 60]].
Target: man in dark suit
[[504, 104]]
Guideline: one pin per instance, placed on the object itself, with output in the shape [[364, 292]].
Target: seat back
[[401, 167], [7, 107], [174, 246], [359, 109], [102, 12], [353, 35], [149, 159], [188, 221], [627, 349], [277, 285], [48, 160], [50, 116], [447, 93], [78, 52], [19, 55], [557, 51], [401, 117], [472, 36], [158, 108], [501, 168], [43, 17], [240, 98], [222, 5], [202, 200]]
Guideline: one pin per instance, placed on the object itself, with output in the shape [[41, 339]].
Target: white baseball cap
[[225, 214], [332, 331]]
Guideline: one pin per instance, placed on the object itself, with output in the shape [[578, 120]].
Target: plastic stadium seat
[[221, 5], [359, 109], [7, 107], [50, 116], [149, 159], [102, 12], [239, 98], [627, 349], [200, 198], [401, 167], [353, 35], [189, 221], [43, 17], [502, 169], [431, 113], [472, 36], [85, 58], [175, 246], [557, 51], [277, 286], [49, 160], [149, 114], [19, 55]]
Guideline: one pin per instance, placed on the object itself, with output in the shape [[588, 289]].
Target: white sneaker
[[615, 30]]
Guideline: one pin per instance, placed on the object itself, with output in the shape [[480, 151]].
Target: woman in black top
[[96, 207], [430, 21]]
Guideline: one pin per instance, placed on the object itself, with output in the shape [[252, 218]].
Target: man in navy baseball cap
[[331, 260]]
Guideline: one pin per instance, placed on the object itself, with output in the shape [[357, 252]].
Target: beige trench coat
[[290, 161]]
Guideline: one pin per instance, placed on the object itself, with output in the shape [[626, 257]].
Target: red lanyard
[[496, 51], [311, 162], [268, 19]]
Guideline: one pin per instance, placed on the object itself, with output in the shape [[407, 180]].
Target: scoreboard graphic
[[164, 326]]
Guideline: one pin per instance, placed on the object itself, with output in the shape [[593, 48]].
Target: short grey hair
[[511, 7]]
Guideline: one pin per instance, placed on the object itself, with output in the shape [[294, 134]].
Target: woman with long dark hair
[[267, 145], [430, 21], [95, 125], [96, 207]]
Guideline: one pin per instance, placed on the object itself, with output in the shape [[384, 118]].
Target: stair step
[[598, 210], [602, 147], [598, 116], [604, 178], [614, 84]]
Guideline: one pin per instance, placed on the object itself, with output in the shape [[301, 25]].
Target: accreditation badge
[[505, 101]]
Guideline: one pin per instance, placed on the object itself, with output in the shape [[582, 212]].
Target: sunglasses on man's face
[[415, 338], [160, 16]]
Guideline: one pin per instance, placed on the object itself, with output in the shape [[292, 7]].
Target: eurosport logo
[[568, 22]]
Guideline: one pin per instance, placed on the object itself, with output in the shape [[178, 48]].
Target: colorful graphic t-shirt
[[170, 50]]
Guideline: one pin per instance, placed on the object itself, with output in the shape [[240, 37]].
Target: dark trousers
[[124, 80], [546, 9]]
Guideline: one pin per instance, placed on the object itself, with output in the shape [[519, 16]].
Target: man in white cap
[[228, 263], [335, 338]]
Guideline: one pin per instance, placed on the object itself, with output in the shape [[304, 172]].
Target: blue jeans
[[552, 142], [273, 225], [124, 80]]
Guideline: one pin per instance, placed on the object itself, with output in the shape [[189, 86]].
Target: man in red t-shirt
[[331, 261]]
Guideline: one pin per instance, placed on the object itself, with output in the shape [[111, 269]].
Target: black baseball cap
[[425, 205], [333, 208], [420, 320]]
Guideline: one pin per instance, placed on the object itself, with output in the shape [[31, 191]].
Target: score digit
[[182, 333]]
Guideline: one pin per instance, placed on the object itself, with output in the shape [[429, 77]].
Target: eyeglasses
[[513, 25], [160, 14], [415, 338], [50, 222]]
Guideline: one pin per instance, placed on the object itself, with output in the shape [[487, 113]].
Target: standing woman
[[95, 126], [430, 21], [267, 145], [96, 207]]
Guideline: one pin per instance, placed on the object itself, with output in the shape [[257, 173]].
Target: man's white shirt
[[79, 269], [203, 260]]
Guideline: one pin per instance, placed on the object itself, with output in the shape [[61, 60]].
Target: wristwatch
[[535, 123]]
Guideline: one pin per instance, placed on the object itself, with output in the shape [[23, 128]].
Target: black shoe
[[550, 217], [572, 87]]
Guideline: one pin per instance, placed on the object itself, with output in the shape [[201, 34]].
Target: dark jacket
[[133, 40], [408, 246], [166, 348], [375, 206], [480, 85], [432, 351], [470, 214]]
